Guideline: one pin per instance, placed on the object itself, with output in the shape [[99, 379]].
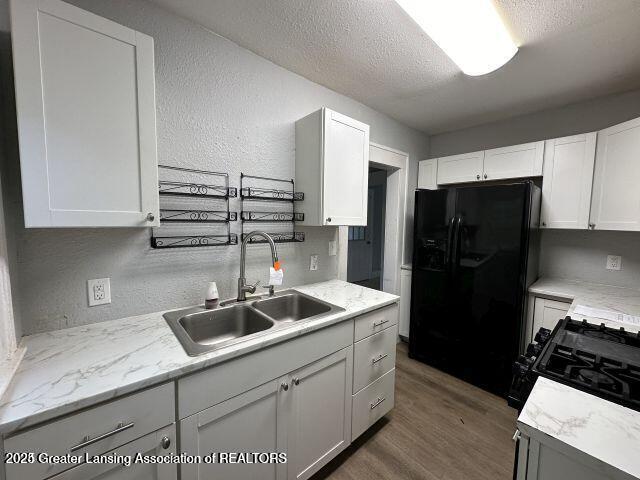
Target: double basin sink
[[201, 331]]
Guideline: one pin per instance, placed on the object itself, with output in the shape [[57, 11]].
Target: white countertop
[[69, 369], [603, 430], [606, 297]]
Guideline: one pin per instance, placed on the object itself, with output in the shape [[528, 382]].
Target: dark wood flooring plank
[[441, 428]]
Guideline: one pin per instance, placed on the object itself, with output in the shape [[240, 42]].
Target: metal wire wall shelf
[[267, 189], [204, 187], [278, 237]]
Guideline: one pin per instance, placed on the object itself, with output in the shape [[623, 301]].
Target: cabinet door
[[346, 170], [427, 174], [250, 422], [547, 313], [514, 162], [615, 203], [152, 444], [85, 102], [567, 180], [460, 168], [319, 413]]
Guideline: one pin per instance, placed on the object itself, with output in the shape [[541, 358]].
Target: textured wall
[[219, 107], [564, 253]]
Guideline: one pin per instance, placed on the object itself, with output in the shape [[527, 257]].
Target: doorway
[[395, 164], [366, 243]]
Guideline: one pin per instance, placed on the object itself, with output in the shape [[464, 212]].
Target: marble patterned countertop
[[74, 368], [605, 431], [605, 297]]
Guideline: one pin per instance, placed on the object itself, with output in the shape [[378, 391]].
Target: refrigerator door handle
[[455, 249], [450, 242]]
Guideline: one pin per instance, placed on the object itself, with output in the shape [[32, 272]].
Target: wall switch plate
[[99, 291], [313, 264], [614, 262], [333, 248]]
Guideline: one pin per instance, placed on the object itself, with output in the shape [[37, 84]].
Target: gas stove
[[596, 359]]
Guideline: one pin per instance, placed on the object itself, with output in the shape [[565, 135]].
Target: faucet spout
[[243, 288]]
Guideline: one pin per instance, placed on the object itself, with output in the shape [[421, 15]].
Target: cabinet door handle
[[296, 381], [377, 402], [478, 177], [90, 441], [485, 176], [381, 322], [150, 217], [328, 219], [165, 442], [592, 226], [544, 224], [516, 436], [285, 386], [378, 358]]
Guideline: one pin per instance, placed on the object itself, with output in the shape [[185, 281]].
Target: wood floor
[[440, 428]]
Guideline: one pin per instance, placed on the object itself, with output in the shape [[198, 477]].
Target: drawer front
[[107, 426], [376, 321], [373, 357], [372, 403]]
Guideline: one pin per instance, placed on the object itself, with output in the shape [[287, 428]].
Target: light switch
[[313, 264], [333, 248]]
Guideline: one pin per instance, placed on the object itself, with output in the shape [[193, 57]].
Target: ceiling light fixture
[[470, 32]]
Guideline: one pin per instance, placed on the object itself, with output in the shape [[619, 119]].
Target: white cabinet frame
[[567, 181], [35, 133]]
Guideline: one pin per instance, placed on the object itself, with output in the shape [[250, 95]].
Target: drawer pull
[[377, 402], [378, 358], [381, 322], [90, 441]]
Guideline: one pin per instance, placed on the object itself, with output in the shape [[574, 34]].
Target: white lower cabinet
[[225, 428], [547, 313], [159, 443], [318, 412], [539, 460], [305, 414]]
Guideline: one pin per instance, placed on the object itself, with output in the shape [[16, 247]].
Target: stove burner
[[595, 378], [603, 335]]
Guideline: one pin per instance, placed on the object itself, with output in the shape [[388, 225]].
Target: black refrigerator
[[474, 256]]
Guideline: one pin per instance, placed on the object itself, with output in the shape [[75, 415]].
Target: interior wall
[[572, 254], [219, 107]]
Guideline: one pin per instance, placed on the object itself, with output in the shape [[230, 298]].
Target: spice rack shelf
[[259, 189], [204, 189]]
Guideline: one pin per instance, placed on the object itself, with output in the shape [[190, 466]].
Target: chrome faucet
[[243, 288]]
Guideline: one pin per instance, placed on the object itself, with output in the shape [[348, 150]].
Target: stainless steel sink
[[200, 331], [292, 307]]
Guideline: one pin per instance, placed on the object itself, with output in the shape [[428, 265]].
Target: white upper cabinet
[[332, 168], [466, 167], [515, 161], [567, 180], [85, 101], [427, 174], [615, 203]]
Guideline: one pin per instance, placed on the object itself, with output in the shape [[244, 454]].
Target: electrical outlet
[[313, 264], [614, 262], [99, 291], [333, 248]]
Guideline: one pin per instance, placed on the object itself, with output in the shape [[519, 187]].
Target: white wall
[[564, 253], [219, 107]]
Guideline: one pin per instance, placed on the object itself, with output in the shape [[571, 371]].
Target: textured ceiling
[[370, 50]]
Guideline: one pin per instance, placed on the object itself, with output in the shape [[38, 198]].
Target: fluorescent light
[[470, 32]]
